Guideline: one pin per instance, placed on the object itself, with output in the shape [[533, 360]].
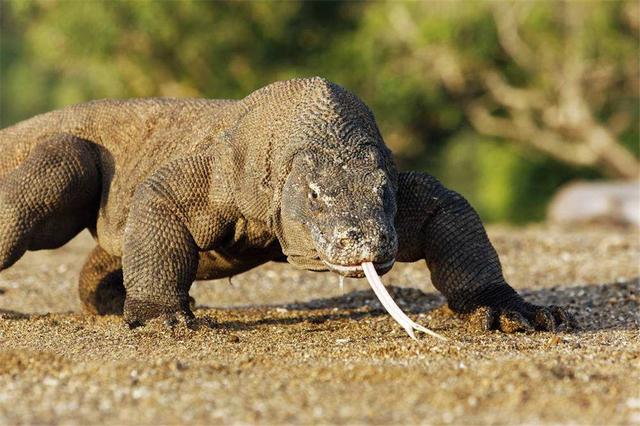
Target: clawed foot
[[137, 313], [520, 317], [181, 320]]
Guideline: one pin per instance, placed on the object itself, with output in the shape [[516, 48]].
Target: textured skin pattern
[[175, 190]]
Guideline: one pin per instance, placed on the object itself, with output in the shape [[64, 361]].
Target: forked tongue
[[394, 310]]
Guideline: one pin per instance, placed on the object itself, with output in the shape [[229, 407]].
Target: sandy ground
[[280, 345]]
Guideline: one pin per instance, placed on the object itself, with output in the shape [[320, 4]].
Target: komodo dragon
[[175, 190]]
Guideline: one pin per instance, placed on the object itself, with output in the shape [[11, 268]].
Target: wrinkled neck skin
[[309, 163]]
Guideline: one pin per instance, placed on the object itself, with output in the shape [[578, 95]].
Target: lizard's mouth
[[356, 271]]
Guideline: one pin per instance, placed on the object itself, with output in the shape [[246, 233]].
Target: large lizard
[[175, 190]]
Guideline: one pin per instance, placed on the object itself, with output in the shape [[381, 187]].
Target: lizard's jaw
[[356, 271]]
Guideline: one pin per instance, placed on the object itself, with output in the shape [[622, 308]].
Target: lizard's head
[[333, 178], [338, 211]]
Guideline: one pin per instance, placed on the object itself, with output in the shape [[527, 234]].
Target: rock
[[616, 202]]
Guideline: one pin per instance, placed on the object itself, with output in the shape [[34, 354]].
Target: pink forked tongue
[[394, 310]]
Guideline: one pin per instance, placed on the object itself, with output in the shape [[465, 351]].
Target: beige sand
[[286, 346]]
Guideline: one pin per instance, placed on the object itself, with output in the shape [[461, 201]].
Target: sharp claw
[[513, 321], [170, 321], [573, 322], [562, 317], [132, 320], [174, 320], [134, 324], [190, 322]]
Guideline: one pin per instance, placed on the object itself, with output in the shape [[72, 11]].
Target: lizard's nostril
[[383, 238], [349, 239], [343, 242]]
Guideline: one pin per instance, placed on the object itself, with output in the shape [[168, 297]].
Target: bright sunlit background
[[504, 102]]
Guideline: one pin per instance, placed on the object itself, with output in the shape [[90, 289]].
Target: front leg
[[438, 225], [173, 217], [160, 259]]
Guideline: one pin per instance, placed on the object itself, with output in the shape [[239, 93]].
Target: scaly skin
[[175, 190]]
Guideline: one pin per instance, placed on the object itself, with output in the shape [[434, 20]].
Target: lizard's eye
[[314, 203]]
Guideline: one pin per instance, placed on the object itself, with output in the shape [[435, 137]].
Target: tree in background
[[576, 101], [520, 97], [502, 101]]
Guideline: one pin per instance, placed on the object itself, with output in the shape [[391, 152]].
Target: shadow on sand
[[614, 306], [13, 315]]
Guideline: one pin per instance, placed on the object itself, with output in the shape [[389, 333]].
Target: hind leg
[[101, 287], [49, 198]]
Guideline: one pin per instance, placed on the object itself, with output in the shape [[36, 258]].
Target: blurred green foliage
[[417, 65]]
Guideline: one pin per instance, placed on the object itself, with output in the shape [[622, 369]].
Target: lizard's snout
[[353, 245], [356, 239]]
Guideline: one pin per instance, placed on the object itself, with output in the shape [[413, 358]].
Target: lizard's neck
[[245, 146]]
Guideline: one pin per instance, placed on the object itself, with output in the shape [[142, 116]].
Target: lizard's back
[[133, 139], [117, 125]]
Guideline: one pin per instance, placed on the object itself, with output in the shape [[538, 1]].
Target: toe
[[563, 318], [513, 321], [133, 320], [544, 319], [181, 319], [482, 319], [133, 323]]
